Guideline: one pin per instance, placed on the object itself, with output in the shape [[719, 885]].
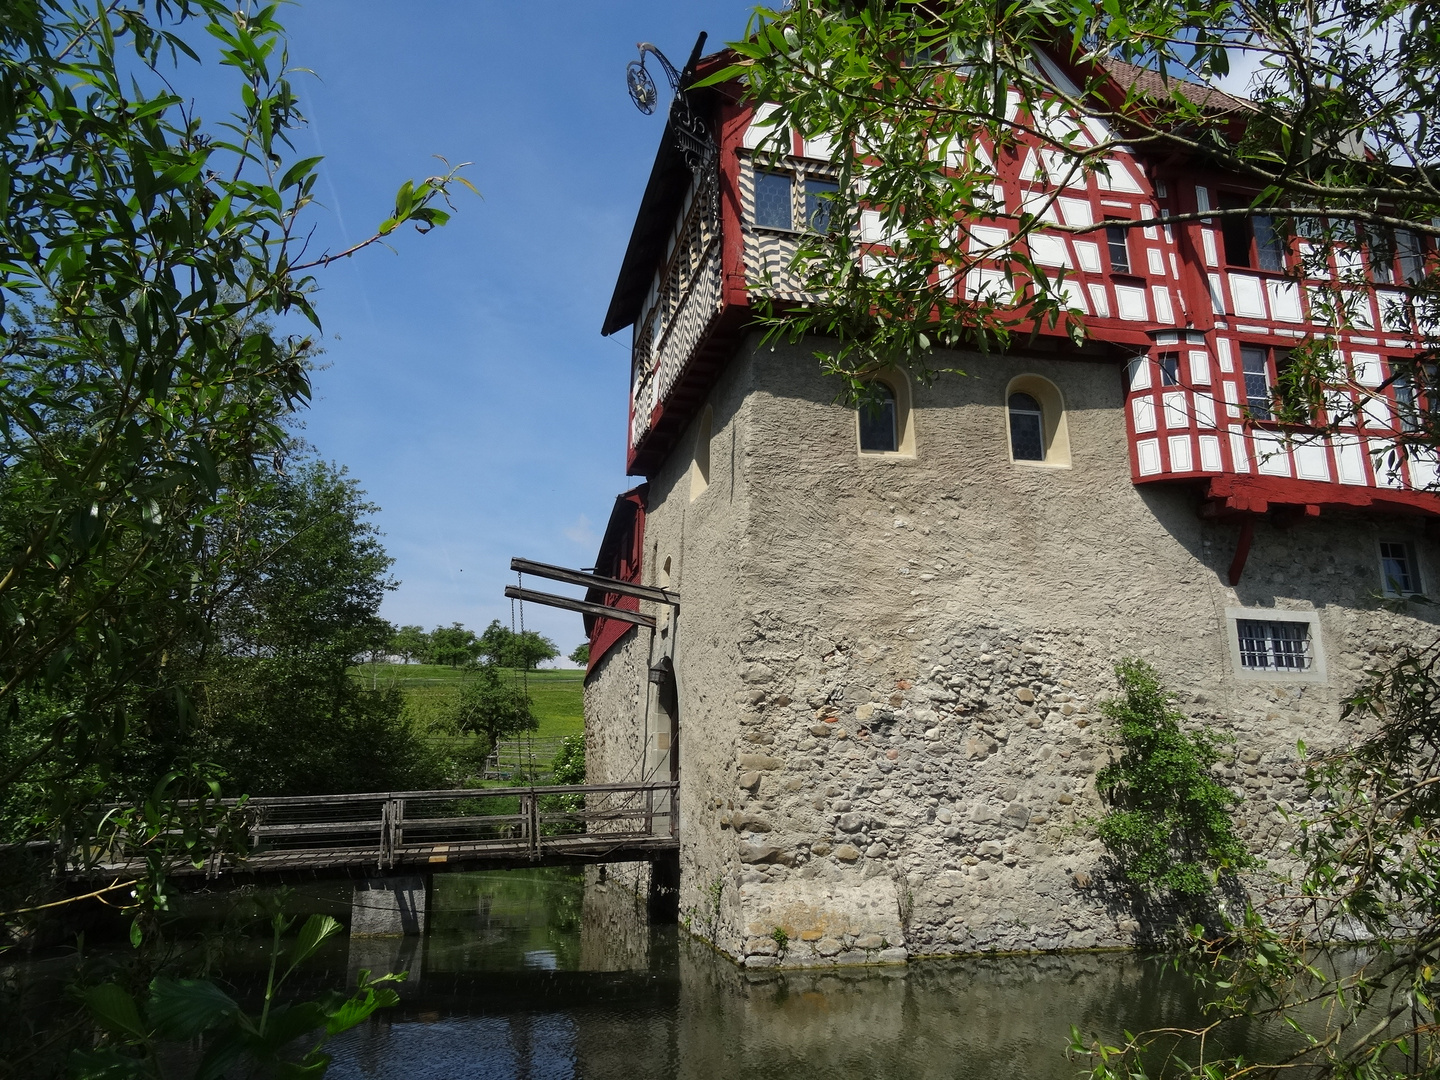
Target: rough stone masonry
[[889, 669]]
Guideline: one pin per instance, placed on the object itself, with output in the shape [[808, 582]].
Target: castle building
[[879, 688]]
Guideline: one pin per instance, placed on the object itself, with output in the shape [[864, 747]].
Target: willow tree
[[147, 257]]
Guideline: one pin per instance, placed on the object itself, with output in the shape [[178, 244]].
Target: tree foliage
[[1366, 868], [1170, 825], [522, 649], [144, 251], [1340, 137], [453, 645], [580, 657], [284, 1039], [490, 704]]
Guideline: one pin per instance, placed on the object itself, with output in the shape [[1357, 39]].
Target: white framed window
[[1399, 569], [884, 427], [1275, 645], [795, 200]]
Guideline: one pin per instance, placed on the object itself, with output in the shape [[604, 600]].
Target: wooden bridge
[[394, 833]]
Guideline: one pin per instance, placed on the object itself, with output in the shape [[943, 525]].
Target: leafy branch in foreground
[[925, 104], [1170, 825], [146, 257], [1367, 874], [284, 1040]]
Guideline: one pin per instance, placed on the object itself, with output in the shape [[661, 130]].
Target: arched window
[[879, 433], [1027, 428]]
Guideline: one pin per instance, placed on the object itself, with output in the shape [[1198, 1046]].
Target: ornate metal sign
[[691, 135]]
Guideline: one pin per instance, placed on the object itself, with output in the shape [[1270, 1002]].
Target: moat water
[[529, 974]]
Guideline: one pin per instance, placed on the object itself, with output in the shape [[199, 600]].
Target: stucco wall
[[889, 666]]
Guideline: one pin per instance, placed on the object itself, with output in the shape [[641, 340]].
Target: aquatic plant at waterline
[[141, 1039]]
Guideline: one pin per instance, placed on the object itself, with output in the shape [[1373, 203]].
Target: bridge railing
[[385, 830]]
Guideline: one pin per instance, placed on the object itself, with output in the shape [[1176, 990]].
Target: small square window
[[774, 206], [1399, 572], [1274, 645], [1169, 363]]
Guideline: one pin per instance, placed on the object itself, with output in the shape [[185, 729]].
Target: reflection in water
[[527, 974]]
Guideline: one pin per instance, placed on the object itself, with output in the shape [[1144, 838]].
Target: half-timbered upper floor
[[1199, 315]]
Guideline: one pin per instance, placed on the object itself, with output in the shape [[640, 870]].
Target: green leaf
[[116, 1011], [183, 1008], [312, 935]]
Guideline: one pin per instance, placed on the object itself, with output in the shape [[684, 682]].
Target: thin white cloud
[[581, 533]]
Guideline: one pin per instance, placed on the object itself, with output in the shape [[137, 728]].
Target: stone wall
[[889, 666]]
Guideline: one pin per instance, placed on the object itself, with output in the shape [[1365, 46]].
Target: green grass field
[[431, 689]]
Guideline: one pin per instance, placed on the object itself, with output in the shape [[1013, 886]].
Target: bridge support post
[[389, 907]]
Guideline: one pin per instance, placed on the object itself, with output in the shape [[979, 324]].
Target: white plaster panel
[[1217, 297], [1164, 313], [1271, 457], [1148, 453], [1204, 410], [1177, 412], [1088, 255], [985, 237], [1284, 300], [1076, 211], [1130, 302], [1210, 453], [1386, 464], [1207, 241], [1368, 371], [1180, 454], [1423, 472], [820, 146], [1074, 295], [1199, 366], [1350, 460], [1156, 261], [1100, 300], [759, 131], [1311, 460], [1143, 410], [1238, 452], [1048, 250], [1223, 354], [1249, 296], [1394, 315]]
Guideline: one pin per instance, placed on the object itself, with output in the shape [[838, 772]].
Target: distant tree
[[489, 705], [581, 656], [530, 649], [409, 642], [503, 646], [453, 645], [496, 644]]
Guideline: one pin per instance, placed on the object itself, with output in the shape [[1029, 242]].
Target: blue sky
[[468, 388]]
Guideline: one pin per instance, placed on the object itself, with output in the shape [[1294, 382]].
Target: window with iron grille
[[1274, 645]]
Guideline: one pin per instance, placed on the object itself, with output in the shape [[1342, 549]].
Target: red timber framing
[[1203, 311], [621, 556]]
